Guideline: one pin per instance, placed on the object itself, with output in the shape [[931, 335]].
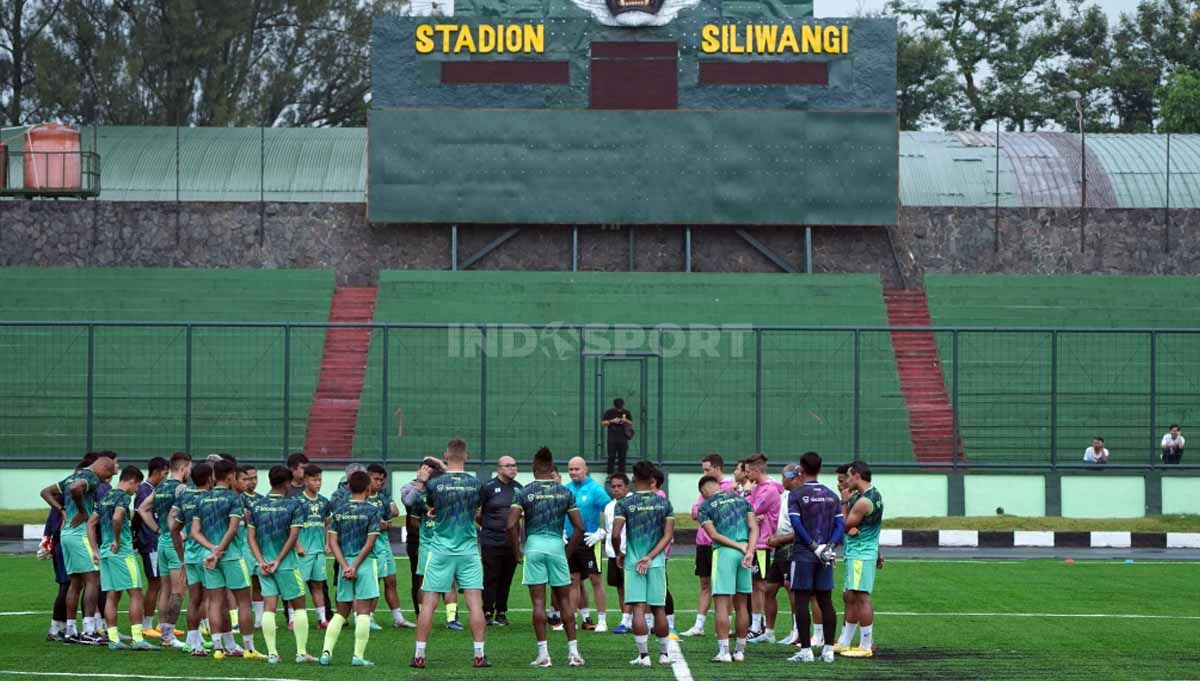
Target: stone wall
[[337, 236]]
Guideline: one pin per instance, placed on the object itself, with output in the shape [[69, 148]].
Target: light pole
[[1074, 96]]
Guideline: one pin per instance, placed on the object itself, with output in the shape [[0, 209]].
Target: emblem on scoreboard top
[[628, 13]]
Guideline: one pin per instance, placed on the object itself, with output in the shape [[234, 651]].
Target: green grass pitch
[[937, 619]]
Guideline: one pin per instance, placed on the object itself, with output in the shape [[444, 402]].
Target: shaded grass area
[[946, 620]]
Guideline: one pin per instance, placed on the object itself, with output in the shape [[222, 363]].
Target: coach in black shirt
[[619, 423], [499, 564]]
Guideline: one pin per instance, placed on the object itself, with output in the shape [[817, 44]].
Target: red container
[[52, 158]]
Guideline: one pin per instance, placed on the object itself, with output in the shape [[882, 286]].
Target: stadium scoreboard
[[632, 112]]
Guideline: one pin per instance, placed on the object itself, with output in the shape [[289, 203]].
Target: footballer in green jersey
[[120, 569], [729, 520], [864, 517], [649, 527], [274, 527], [546, 505], [353, 531]]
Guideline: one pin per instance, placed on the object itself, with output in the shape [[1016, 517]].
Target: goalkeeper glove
[[594, 537]]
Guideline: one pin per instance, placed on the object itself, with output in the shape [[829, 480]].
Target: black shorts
[[762, 564], [150, 565], [583, 561], [780, 567], [810, 574], [616, 576], [704, 560], [60, 564]]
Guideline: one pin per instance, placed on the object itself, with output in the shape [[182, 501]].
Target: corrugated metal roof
[[1042, 169], [942, 169], [936, 168], [231, 164]]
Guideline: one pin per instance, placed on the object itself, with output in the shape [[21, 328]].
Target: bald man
[[499, 563], [590, 498]]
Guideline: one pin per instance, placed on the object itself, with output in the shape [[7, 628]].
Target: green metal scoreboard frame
[[636, 112]]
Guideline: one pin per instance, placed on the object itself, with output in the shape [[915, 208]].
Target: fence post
[[90, 411], [662, 397], [954, 363], [1054, 400], [287, 385], [857, 391], [483, 350], [758, 391], [582, 395], [1153, 393], [383, 398], [187, 390]]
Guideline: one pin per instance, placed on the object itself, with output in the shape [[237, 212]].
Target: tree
[[1180, 99], [22, 27], [1081, 60], [925, 86]]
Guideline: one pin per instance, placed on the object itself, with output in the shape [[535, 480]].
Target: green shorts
[[168, 558], [77, 553], [383, 554], [650, 588], [312, 567], [443, 569], [728, 575], [422, 558], [229, 574], [287, 583], [546, 568], [121, 572], [860, 574], [195, 573], [365, 584]]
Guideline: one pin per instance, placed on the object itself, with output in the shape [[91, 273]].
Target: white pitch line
[[679, 665], [95, 675]]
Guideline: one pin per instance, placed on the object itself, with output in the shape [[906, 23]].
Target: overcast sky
[[842, 8]]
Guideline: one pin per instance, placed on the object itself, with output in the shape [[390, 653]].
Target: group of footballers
[[237, 555]]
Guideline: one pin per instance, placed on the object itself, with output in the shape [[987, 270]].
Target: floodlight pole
[[1082, 175]]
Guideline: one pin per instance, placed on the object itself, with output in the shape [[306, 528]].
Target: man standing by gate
[[619, 424]]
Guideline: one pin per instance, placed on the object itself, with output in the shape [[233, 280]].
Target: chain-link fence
[[1007, 397]]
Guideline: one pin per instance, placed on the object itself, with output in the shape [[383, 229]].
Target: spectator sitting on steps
[[1172, 445], [1096, 453]]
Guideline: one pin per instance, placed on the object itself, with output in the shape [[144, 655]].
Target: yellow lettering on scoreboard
[[774, 39], [480, 38]]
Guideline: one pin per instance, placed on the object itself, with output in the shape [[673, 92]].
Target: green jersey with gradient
[[727, 511], [187, 506], [91, 481], [546, 504], [645, 513], [382, 501], [454, 497], [216, 510], [865, 545], [107, 507], [273, 518], [249, 501], [164, 501], [351, 523], [316, 512]]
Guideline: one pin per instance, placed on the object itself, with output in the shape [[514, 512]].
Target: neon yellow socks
[[451, 612], [300, 629], [269, 630], [331, 634], [362, 632], [136, 633], [113, 636]]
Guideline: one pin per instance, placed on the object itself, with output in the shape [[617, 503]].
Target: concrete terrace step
[[333, 416], [918, 365]]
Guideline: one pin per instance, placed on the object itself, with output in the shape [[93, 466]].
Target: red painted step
[[930, 414], [334, 412]]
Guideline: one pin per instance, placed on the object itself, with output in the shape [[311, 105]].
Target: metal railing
[[50, 173], [1011, 397]]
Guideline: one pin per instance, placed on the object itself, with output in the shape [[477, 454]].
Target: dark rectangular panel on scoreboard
[[506, 72], [633, 167], [714, 72], [634, 49]]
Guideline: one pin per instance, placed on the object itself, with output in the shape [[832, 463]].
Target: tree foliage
[[187, 62], [1180, 98]]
